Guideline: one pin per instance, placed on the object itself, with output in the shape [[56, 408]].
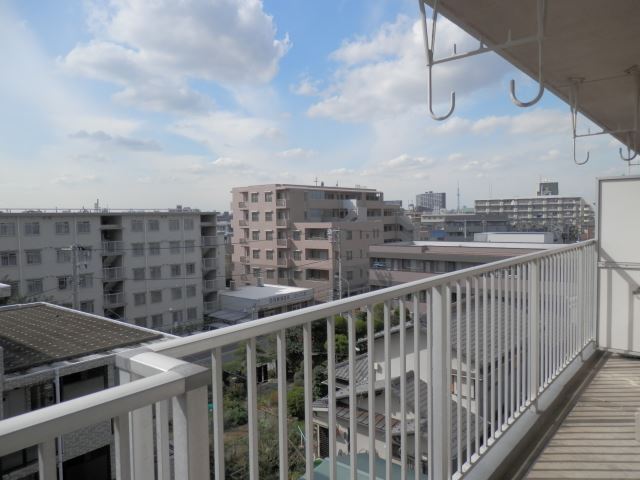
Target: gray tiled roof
[[361, 370]]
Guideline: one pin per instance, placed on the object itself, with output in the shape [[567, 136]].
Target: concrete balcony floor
[[597, 439]]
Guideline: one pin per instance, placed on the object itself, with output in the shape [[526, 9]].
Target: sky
[[153, 104]]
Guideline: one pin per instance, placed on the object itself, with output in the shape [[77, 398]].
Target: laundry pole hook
[[512, 84]]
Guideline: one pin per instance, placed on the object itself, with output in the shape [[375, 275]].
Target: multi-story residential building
[[460, 226], [160, 269], [307, 236], [58, 368], [431, 201], [402, 262], [548, 188], [571, 218]]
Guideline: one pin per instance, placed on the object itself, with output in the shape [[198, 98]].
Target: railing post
[[217, 386], [47, 460], [122, 438], [441, 376], [534, 329], [191, 435]]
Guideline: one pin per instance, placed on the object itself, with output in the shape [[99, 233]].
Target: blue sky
[[152, 104]]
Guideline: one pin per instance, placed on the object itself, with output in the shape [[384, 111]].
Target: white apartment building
[[304, 235], [544, 211], [158, 269]]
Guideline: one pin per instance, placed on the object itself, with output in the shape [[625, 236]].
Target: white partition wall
[[619, 264]]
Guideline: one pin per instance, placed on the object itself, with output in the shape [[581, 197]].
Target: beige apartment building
[[305, 236]]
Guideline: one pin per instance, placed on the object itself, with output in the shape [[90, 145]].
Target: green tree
[[319, 377], [295, 402], [361, 328], [341, 325]]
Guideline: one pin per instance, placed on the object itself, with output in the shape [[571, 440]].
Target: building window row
[[155, 272], [8, 229], [153, 224], [155, 248]]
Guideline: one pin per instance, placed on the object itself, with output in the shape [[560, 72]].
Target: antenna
[[458, 206], [316, 180]]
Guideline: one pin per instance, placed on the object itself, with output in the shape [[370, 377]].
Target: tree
[[378, 317], [361, 328], [295, 402], [295, 350], [342, 347], [341, 325], [319, 377]]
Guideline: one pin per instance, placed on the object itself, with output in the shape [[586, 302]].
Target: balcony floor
[[597, 438]]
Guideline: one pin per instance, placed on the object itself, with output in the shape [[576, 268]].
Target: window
[[87, 306], [8, 259], [191, 291], [349, 255], [141, 321], [296, 234], [255, 235], [85, 253], [189, 246], [154, 248], [257, 272], [268, 235], [297, 275], [138, 249], [153, 225], [176, 293], [64, 282], [85, 280], [84, 227], [156, 296], [138, 273], [255, 216], [268, 216], [174, 224], [268, 196], [192, 313], [34, 257], [188, 223], [254, 197], [269, 254], [7, 229], [349, 275], [270, 274], [174, 247], [32, 228], [137, 226], [256, 254], [348, 235], [156, 321], [34, 286], [176, 270], [176, 316], [63, 256], [155, 272], [190, 268], [62, 228], [297, 255], [140, 298]]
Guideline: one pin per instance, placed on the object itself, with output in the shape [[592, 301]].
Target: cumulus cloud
[[407, 161], [385, 75], [228, 163], [127, 143], [152, 49], [306, 87], [296, 153]]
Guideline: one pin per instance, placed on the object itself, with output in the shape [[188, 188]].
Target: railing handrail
[[207, 341]]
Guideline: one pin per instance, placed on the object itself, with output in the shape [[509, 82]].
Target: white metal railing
[[112, 248], [209, 241], [113, 299], [506, 332], [208, 263], [208, 285], [112, 274]]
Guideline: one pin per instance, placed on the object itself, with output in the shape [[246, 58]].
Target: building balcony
[[281, 203], [245, 260], [112, 248], [208, 264], [113, 274], [283, 223], [243, 240], [282, 242], [242, 204], [210, 241], [284, 262], [209, 285], [243, 223], [209, 307], [112, 300]]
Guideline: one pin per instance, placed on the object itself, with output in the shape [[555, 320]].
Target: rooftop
[[436, 244], [39, 333], [253, 292]]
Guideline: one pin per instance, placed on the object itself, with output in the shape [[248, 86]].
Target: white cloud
[[68, 179], [407, 161], [306, 87], [229, 163], [128, 143], [385, 75], [152, 49], [296, 153], [341, 171]]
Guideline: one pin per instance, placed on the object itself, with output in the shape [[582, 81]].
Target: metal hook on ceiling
[[574, 95], [429, 49], [512, 85], [635, 71]]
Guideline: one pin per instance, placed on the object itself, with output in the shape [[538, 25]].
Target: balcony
[[284, 262], [243, 240], [114, 299], [112, 248], [113, 274], [243, 223], [210, 241], [245, 260], [283, 222], [242, 204], [282, 242], [520, 330], [208, 263], [281, 203], [210, 307], [209, 285]]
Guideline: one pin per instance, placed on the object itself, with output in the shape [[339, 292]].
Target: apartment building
[[160, 269], [460, 226], [305, 236], [572, 218], [402, 262], [431, 201]]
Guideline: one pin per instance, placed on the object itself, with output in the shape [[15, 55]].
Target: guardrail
[[112, 248], [209, 241], [112, 274], [113, 299], [208, 263], [507, 333]]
